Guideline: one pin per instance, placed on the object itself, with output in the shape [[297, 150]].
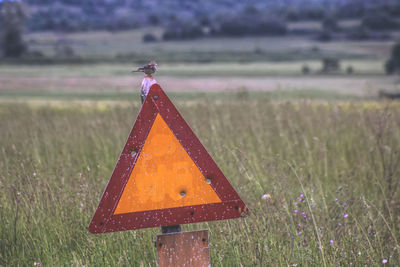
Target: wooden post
[[183, 249]]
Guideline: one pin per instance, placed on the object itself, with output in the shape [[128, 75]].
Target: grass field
[[231, 69], [320, 179], [254, 64], [230, 65], [116, 81], [127, 46], [315, 157]]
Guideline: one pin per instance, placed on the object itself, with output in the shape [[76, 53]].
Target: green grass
[[115, 81], [129, 97], [127, 46], [232, 69], [342, 156]]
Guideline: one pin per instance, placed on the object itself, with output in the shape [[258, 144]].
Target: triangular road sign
[[164, 176]]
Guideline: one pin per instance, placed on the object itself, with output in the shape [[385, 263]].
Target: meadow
[[112, 80], [99, 64], [127, 46], [315, 157], [320, 178]]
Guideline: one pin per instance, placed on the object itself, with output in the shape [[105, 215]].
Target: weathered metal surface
[[183, 249], [164, 176], [122, 207]]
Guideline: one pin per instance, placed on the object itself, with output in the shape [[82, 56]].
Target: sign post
[[165, 177], [183, 249]]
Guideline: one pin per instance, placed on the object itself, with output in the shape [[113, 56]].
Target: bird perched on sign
[[148, 79], [148, 69]]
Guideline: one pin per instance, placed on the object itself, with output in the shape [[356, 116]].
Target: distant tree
[[329, 23], [380, 21], [204, 20], [177, 30], [393, 63], [250, 9], [311, 12], [13, 16], [350, 70], [63, 49], [305, 69], [149, 38], [358, 33], [153, 19], [292, 14], [247, 23], [324, 36], [351, 9], [330, 65], [272, 26], [393, 8]]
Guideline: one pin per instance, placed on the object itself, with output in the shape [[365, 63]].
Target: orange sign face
[[164, 176]]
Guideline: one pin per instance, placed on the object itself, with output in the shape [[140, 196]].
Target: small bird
[[148, 69]]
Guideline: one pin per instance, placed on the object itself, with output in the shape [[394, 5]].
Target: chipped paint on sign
[[164, 176]]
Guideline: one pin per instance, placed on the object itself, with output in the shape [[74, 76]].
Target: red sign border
[[104, 219]]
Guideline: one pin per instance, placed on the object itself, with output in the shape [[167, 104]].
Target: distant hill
[[113, 15]]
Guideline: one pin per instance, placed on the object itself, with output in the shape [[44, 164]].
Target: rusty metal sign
[[164, 176], [183, 249]]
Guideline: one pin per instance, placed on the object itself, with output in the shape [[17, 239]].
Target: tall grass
[[321, 180]]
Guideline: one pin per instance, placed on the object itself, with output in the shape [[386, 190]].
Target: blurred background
[[307, 48]]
